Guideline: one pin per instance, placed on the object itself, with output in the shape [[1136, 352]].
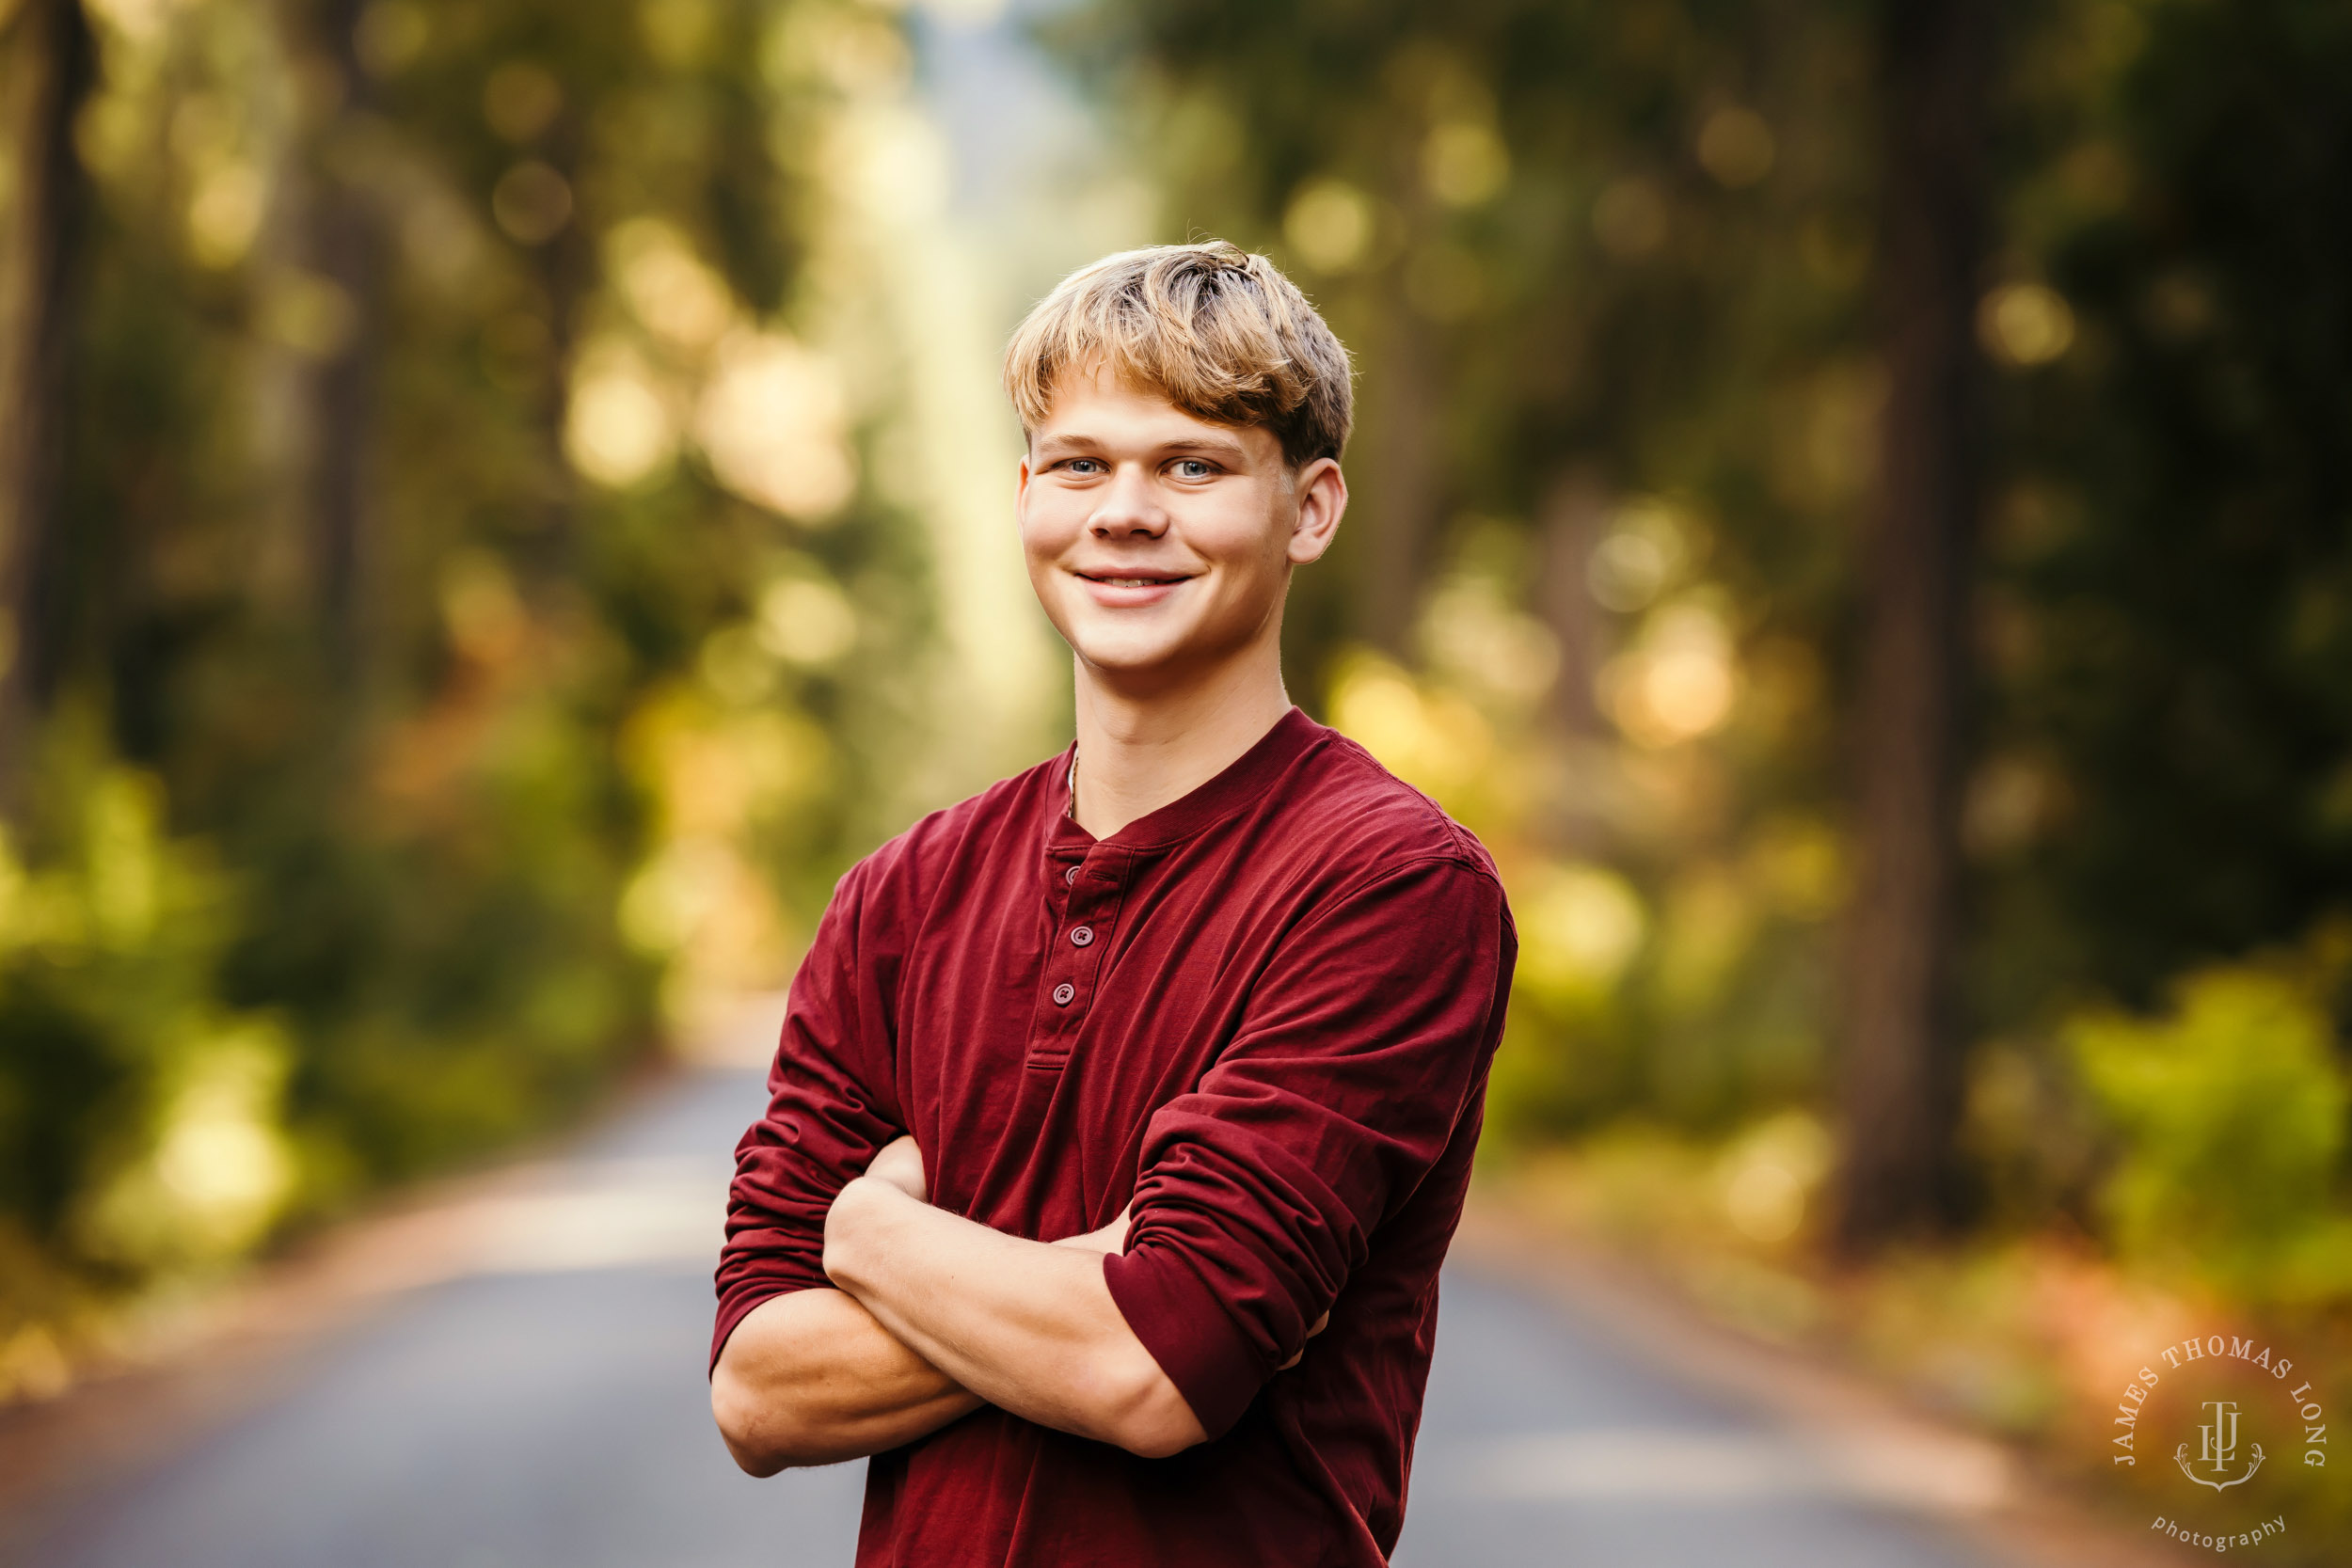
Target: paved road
[[544, 1407]]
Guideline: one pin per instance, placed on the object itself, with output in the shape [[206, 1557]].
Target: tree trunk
[[1398, 455], [344, 243], [1901, 1032], [54, 70], [1572, 518], [565, 266]]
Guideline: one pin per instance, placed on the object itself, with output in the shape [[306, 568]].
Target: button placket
[[1074, 959]]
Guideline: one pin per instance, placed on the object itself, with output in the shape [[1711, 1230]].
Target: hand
[[1109, 1238], [900, 1164], [1321, 1323], [1113, 1238]]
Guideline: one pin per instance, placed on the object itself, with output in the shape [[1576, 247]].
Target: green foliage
[[2230, 1115], [138, 1115], [452, 609], [2168, 606], [450, 968]]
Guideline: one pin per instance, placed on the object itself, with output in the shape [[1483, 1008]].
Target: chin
[[1152, 648], [1129, 656], [1129, 642]]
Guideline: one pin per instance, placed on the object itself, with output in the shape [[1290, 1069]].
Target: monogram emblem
[[2218, 1450]]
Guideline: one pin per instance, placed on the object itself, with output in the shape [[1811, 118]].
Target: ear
[[1322, 491], [1021, 488]]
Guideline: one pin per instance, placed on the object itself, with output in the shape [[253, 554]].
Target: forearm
[[812, 1378], [1025, 1325]]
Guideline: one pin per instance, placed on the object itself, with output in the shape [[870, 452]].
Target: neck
[[1138, 748]]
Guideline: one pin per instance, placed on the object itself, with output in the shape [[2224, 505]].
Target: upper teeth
[[1131, 582]]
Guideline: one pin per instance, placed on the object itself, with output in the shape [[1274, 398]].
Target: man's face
[[1159, 544]]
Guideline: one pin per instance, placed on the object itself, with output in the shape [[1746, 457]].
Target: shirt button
[[1063, 993], [1070, 874], [1081, 936]]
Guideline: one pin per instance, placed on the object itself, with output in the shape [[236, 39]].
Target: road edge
[[1977, 1488]]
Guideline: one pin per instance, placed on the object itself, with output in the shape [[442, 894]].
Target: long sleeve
[[1366, 1041], [830, 1106]]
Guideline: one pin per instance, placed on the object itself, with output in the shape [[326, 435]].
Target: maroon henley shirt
[[1264, 1013]]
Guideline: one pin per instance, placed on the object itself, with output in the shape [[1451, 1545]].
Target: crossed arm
[[1274, 1169], [933, 1316]]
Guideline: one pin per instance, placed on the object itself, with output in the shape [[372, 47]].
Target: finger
[[1321, 1323]]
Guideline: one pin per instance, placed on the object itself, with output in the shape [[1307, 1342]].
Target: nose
[[1127, 507]]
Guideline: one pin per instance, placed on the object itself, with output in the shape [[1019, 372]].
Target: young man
[[1123, 1112]]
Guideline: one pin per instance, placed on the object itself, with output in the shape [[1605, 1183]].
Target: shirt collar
[[1244, 779]]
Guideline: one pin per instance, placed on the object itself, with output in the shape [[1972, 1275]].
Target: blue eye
[[1192, 468]]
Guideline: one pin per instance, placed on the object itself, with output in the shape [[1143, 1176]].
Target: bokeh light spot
[[618, 430], [521, 99], [772, 423], [1630, 218], [531, 202], [1580, 926], [307, 314], [1330, 225], [2025, 324], [678, 299], [1678, 683], [1639, 558], [1464, 163], [225, 214], [390, 37], [1737, 146], [806, 622]]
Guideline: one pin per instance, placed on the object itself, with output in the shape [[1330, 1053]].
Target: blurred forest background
[[502, 502]]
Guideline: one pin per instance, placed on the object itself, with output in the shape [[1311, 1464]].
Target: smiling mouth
[[1135, 580]]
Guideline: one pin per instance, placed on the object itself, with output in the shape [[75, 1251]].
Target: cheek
[[1032, 539], [1047, 529], [1256, 555], [1244, 536]]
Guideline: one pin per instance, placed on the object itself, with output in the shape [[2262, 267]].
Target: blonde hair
[[1218, 332]]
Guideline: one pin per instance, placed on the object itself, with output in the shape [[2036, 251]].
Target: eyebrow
[[1078, 441]]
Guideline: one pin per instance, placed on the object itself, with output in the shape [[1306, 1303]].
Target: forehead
[[1095, 405]]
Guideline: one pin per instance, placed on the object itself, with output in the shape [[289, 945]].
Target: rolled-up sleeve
[[829, 1108], [1364, 1043]]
